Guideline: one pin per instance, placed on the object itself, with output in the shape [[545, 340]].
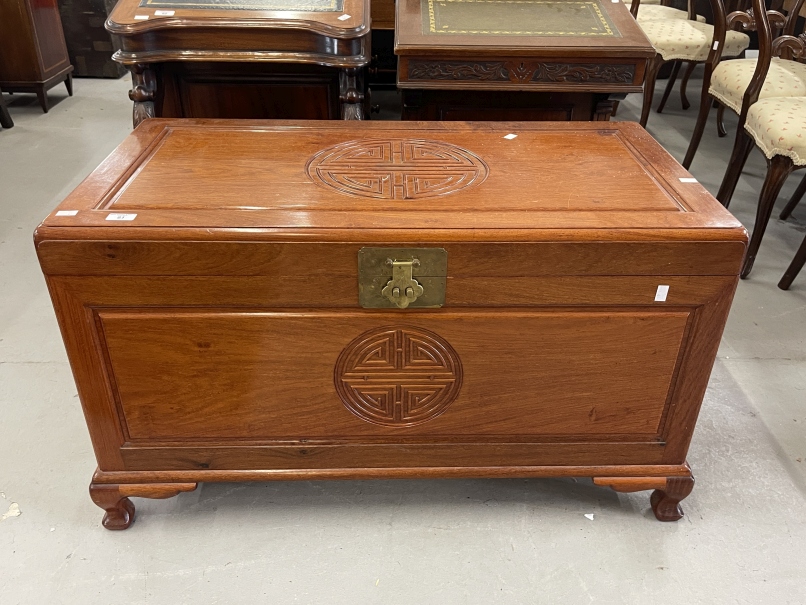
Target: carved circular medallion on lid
[[396, 169], [398, 376]]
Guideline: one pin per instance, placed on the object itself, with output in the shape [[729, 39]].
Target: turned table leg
[[114, 499], [143, 92], [665, 500], [351, 95]]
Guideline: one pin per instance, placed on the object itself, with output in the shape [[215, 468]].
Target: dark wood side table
[[517, 60], [244, 58], [34, 52]]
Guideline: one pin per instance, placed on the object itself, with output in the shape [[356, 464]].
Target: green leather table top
[[564, 18]]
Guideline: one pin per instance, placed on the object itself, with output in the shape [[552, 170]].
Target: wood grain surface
[[217, 335]]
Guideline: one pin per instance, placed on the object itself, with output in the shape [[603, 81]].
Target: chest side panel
[[252, 375], [194, 371]]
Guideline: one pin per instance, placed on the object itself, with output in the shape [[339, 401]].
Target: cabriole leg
[[114, 499], [742, 147], [699, 128], [684, 84], [119, 510], [778, 169], [720, 121], [665, 500]]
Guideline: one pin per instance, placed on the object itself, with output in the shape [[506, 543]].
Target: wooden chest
[[305, 300]]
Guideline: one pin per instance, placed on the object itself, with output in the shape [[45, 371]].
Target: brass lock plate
[[402, 278]]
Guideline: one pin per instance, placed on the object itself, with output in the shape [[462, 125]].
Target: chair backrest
[[786, 46], [691, 14]]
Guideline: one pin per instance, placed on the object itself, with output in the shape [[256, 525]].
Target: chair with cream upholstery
[[777, 126], [729, 79], [653, 12], [686, 40]]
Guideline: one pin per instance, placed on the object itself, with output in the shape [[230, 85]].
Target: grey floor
[[508, 541]]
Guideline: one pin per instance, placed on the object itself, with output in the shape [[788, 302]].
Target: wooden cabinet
[[245, 58], [33, 55], [524, 60], [246, 300]]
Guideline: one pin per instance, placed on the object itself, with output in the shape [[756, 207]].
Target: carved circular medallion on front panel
[[398, 376], [402, 169]]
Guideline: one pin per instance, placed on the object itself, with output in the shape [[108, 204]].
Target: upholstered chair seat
[[731, 78], [778, 126], [690, 40], [655, 12]]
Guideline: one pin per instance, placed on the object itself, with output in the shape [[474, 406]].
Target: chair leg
[[684, 84], [778, 169], [794, 268], [720, 123], [699, 127], [68, 84], [741, 149], [669, 85], [649, 87], [796, 197]]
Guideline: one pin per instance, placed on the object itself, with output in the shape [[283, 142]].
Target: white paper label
[[344, 17], [510, 136], [120, 217], [66, 212], [164, 13], [661, 294], [716, 44], [687, 179], [141, 17]]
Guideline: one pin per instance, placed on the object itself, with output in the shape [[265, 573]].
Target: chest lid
[[403, 182]]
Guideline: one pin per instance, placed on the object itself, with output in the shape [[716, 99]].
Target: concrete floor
[[508, 541]]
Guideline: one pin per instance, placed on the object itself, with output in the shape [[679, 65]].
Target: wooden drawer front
[[228, 375]]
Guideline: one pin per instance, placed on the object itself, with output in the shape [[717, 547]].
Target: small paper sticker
[[66, 212], [121, 217], [164, 13], [661, 294], [716, 44], [141, 17], [510, 136], [344, 17], [687, 179]]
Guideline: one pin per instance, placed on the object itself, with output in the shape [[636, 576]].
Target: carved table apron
[[389, 300], [244, 58], [525, 59]]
